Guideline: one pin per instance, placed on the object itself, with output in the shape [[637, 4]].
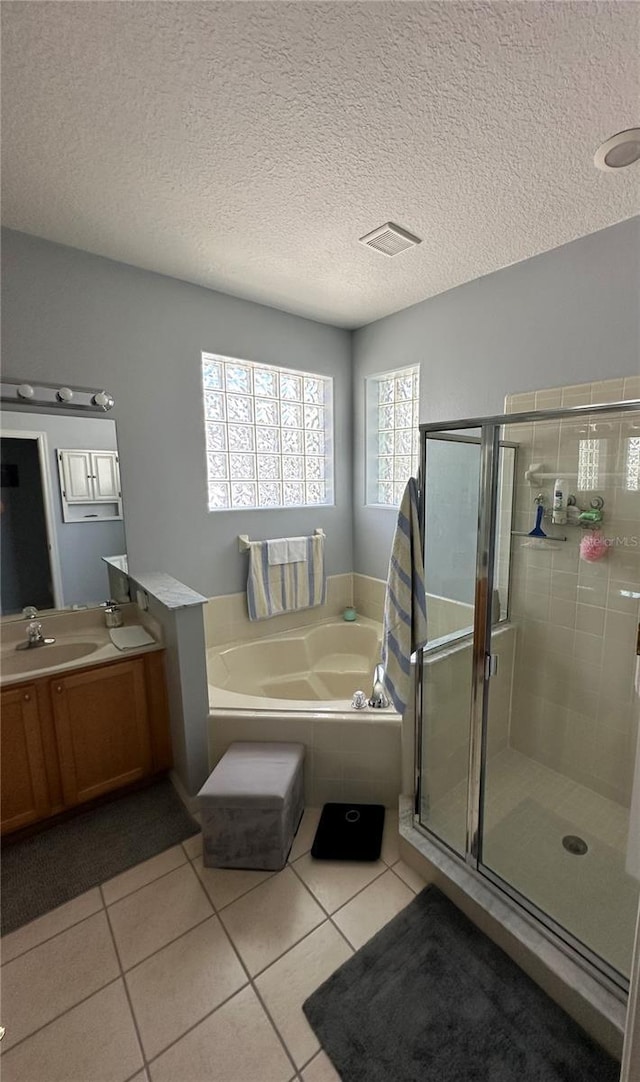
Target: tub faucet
[[379, 699]]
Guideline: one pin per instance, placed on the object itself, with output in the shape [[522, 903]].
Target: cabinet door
[[77, 476], [105, 474], [102, 729], [24, 796]]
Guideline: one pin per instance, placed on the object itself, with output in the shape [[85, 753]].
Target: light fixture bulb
[[65, 394], [25, 390], [104, 400]]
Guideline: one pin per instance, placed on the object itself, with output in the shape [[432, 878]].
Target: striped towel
[[405, 615], [276, 588]]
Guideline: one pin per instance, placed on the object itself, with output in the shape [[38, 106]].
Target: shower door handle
[[490, 665]]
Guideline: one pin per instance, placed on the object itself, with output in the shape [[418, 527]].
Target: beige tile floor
[[173, 972]]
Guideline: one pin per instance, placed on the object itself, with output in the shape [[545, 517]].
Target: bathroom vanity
[[90, 724]]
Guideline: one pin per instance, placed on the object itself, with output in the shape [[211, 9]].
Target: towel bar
[[244, 544]]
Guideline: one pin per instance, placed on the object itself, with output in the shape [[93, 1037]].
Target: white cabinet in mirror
[[60, 510]]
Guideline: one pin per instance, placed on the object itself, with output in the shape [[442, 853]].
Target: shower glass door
[[450, 509], [560, 714]]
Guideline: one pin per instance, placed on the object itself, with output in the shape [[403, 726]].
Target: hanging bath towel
[[274, 588], [405, 615]]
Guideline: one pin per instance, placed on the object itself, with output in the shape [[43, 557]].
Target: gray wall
[[571, 315], [81, 545], [89, 321]]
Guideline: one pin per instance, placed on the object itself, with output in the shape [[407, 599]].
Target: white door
[[106, 476]]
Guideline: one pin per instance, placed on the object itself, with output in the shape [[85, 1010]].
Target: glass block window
[[633, 464], [589, 465], [269, 435], [393, 438]]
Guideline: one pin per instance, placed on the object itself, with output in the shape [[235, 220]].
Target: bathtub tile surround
[[217, 992], [226, 618], [573, 703], [347, 756], [444, 615]]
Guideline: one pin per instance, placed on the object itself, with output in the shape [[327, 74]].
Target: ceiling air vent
[[390, 239]]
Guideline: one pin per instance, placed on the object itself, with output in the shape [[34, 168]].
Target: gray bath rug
[[432, 999], [53, 867]]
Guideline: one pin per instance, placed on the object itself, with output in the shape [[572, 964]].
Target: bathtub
[[297, 686]]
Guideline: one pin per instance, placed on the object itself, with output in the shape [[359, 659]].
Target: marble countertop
[[169, 591]]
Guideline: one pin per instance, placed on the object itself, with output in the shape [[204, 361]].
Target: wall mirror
[[60, 511]]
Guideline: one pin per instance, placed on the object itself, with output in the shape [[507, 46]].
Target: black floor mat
[[349, 832]]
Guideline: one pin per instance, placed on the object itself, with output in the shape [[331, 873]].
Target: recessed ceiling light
[[619, 151]]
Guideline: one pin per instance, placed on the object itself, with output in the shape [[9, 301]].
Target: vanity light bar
[[52, 394]]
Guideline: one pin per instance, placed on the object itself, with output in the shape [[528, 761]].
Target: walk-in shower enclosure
[[527, 719]]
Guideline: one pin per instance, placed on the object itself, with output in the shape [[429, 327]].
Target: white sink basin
[[16, 662]]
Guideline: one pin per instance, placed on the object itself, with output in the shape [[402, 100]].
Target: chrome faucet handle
[[34, 637], [29, 612]]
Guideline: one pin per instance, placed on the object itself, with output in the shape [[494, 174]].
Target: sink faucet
[[379, 699], [34, 637]]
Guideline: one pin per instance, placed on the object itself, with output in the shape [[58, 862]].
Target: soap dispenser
[[113, 614]]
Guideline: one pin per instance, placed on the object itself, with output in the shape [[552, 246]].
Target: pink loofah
[[593, 547]]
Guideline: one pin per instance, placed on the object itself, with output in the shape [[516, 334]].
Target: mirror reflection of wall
[[46, 561]]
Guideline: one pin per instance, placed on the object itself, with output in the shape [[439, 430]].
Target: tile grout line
[[84, 999], [125, 986], [250, 978], [330, 916], [122, 976], [215, 912], [67, 1010], [155, 879], [61, 931], [103, 905]]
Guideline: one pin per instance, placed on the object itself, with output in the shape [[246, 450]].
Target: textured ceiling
[[247, 146]]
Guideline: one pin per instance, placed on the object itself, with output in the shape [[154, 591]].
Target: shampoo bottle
[[559, 509]]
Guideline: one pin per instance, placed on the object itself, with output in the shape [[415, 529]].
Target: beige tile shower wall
[[573, 706], [226, 618], [368, 596]]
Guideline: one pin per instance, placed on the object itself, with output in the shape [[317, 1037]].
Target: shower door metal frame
[[490, 429]]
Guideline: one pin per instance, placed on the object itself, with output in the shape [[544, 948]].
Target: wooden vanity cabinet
[[24, 796], [102, 729], [69, 738]]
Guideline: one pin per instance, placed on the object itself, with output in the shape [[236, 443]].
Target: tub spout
[[379, 699]]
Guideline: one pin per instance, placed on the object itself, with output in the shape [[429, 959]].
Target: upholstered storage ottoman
[[251, 806]]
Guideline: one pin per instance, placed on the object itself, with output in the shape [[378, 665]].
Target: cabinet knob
[[27, 697], [59, 689]]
